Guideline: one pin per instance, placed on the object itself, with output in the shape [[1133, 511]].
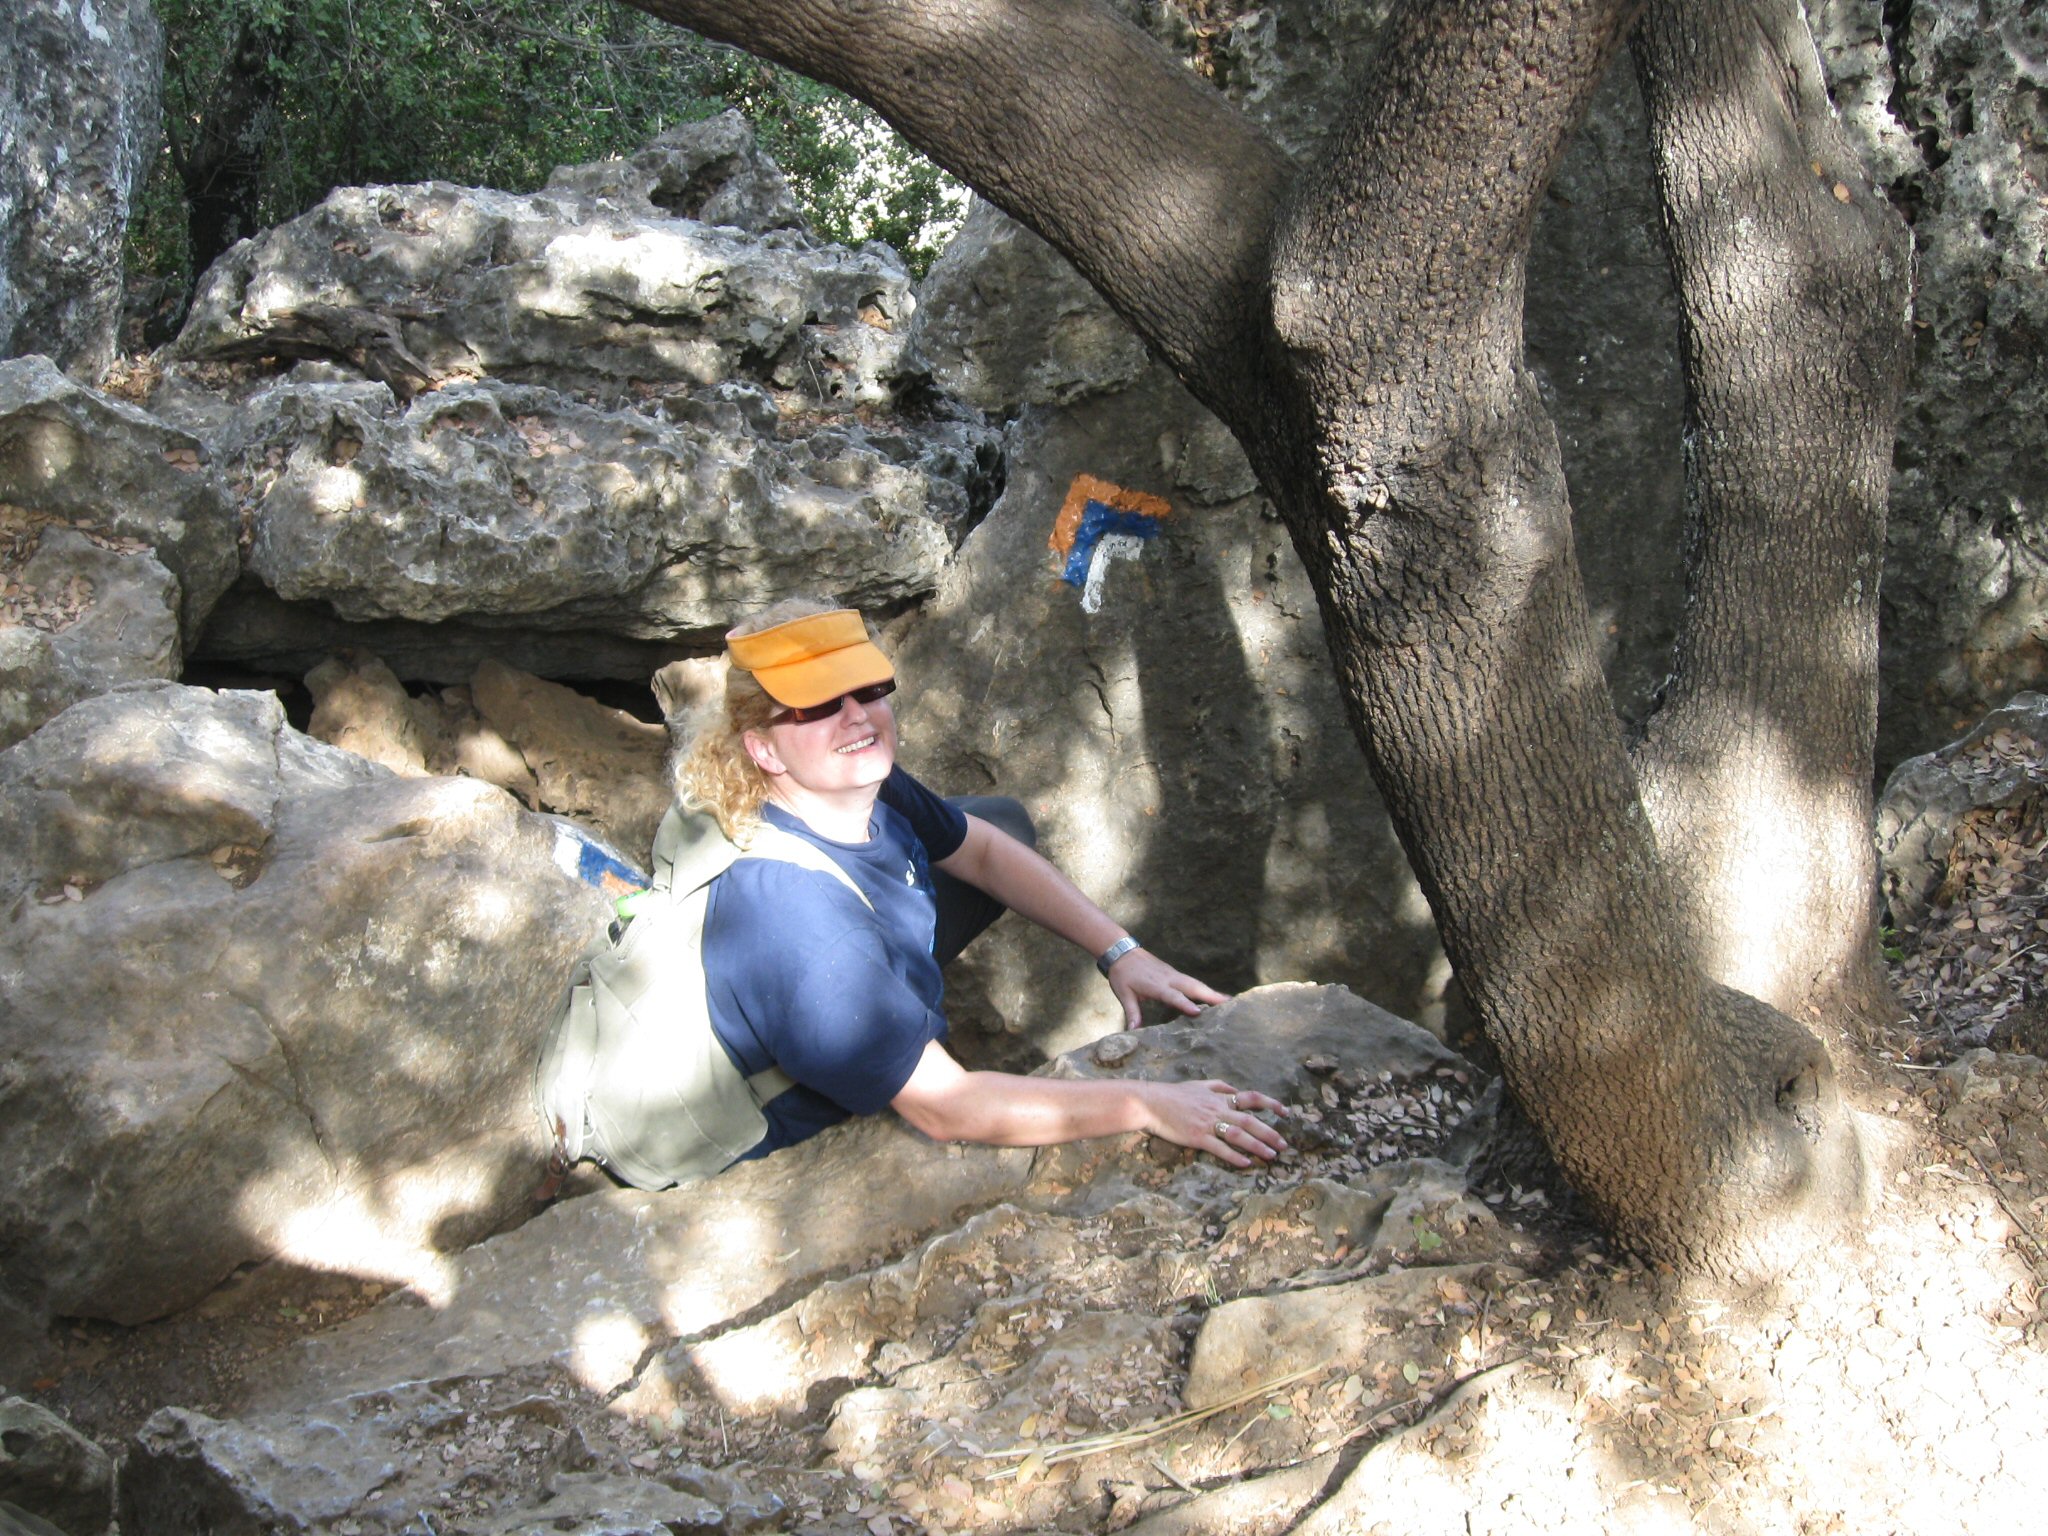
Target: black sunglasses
[[803, 714]]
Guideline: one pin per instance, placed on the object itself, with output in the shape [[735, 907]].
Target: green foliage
[[270, 104]]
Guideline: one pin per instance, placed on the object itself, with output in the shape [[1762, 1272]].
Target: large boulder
[[578, 431], [598, 279], [119, 540], [80, 105], [552, 747], [500, 504], [259, 997]]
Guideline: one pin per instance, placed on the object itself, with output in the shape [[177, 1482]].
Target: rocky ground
[[1361, 1339], [1164, 1362]]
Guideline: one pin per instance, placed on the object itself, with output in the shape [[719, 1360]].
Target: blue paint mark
[[1098, 521]]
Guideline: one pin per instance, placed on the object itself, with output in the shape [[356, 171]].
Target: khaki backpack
[[632, 1074]]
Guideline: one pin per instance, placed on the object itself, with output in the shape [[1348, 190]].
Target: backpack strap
[[770, 842], [787, 848], [691, 850]]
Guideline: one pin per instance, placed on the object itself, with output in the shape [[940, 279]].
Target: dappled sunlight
[[276, 293], [350, 1234], [336, 490], [697, 1293], [605, 1349], [754, 1370], [1102, 827], [664, 272], [41, 450], [1775, 850]]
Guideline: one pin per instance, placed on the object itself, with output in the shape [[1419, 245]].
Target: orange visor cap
[[811, 659]]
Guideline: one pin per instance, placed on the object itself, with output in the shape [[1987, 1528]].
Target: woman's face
[[850, 751]]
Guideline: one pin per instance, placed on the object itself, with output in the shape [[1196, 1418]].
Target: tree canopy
[[269, 104]]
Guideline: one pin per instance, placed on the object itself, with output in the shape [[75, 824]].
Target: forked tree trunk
[[1359, 327], [1704, 1126], [1791, 271]]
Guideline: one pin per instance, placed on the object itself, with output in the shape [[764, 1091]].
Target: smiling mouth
[[855, 746]]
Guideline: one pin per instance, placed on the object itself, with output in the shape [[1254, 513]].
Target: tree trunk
[[1791, 271], [218, 146], [1702, 1125], [1363, 339]]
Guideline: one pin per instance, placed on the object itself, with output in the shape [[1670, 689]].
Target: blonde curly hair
[[715, 773]]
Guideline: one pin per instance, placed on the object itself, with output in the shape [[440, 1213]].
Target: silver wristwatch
[[1116, 952]]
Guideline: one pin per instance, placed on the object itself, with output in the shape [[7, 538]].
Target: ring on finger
[[1233, 1101], [1223, 1128]]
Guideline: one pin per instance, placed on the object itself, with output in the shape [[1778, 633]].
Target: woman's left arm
[[949, 1103], [1025, 881]]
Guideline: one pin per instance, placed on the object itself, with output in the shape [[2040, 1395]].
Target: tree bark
[[1074, 122], [216, 147], [1359, 327], [1791, 270], [1703, 1126]]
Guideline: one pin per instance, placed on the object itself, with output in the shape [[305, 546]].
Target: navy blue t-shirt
[[800, 975]]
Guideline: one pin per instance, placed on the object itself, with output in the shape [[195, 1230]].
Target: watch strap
[[1116, 952]]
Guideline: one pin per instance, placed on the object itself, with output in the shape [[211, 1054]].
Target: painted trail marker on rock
[[1100, 522]]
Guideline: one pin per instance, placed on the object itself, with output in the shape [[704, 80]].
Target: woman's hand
[[1142, 974], [1216, 1118]]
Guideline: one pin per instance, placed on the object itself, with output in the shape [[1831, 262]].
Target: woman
[[843, 991]]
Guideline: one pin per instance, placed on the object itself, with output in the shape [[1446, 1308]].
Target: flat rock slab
[[901, 1299], [1357, 1325]]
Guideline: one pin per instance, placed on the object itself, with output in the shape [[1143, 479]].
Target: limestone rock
[[598, 765], [118, 543], [516, 507], [460, 741], [1945, 101], [593, 279], [260, 997], [893, 1301], [50, 1471], [1926, 798], [363, 1460], [1007, 323], [1359, 1324], [557, 750], [588, 1285], [493, 500], [710, 171], [360, 706], [80, 102]]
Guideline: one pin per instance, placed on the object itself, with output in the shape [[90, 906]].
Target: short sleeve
[[852, 1029], [942, 828]]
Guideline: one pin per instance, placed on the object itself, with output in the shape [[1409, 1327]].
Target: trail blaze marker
[[1099, 523]]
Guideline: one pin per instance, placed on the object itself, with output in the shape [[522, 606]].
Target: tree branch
[[1072, 120]]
